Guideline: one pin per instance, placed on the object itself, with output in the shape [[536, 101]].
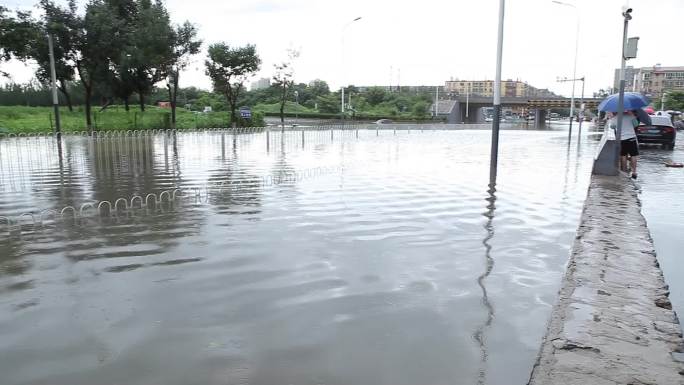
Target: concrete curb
[[613, 323]]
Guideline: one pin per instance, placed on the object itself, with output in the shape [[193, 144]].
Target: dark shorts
[[629, 147]]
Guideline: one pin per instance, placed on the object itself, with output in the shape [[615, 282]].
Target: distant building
[[509, 88], [652, 81], [260, 84], [164, 104]]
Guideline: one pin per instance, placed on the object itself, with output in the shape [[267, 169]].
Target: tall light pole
[[467, 99], [343, 65], [581, 116], [494, 155], [574, 67], [627, 15]]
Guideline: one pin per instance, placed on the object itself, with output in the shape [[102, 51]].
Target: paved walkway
[[613, 323]]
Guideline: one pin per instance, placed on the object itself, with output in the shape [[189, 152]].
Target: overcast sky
[[430, 41]]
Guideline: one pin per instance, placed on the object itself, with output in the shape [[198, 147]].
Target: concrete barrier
[[606, 158], [613, 323]]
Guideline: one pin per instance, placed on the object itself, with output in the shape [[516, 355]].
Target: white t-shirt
[[627, 126]]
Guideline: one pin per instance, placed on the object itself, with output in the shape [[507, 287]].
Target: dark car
[[660, 131], [384, 121]]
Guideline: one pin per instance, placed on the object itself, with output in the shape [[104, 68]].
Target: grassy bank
[[18, 119]]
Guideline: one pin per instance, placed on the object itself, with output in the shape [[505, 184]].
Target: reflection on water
[[663, 207], [369, 273], [489, 265]]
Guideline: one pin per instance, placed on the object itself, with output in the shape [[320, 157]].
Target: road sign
[[245, 113]]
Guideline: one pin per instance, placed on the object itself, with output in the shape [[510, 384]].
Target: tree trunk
[[63, 89], [126, 106], [282, 107], [231, 105], [142, 101], [88, 88], [282, 115], [173, 98], [88, 95]]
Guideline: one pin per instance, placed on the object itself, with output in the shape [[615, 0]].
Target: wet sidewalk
[[613, 323]]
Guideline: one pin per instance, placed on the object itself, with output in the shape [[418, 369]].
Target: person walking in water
[[628, 141]]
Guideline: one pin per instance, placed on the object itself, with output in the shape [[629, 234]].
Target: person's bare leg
[[633, 163], [623, 163]]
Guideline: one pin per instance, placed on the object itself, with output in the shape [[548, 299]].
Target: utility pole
[[467, 98], [581, 115], [391, 79], [55, 98], [343, 66], [574, 68], [627, 14], [497, 99], [581, 111]]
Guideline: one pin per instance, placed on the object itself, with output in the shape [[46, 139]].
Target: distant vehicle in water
[[660, 131], [384, 121]]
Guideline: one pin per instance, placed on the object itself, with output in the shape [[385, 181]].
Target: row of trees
[[120, 48], [314, 97]]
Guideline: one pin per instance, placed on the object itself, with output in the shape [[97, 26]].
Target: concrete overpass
[[455, 110]]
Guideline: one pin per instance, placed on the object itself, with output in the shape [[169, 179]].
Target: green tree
[[152, 49], [63, 25], [674, 100], [121, 79], [420, 110], [319, 88], [16, 35], [99, 25], [329, 103], [282, 79], [229, 68], [185, 45], [375, 95]]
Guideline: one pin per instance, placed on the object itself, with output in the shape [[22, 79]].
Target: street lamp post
[[574, 68], [494, 154], [467, 99], [581, 111], [343, 66], [627, 15]]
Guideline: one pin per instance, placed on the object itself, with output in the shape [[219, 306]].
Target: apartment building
[[652, 81], [509, 88]]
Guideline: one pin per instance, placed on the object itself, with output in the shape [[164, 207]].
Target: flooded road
[[380, 258], [662, 199]]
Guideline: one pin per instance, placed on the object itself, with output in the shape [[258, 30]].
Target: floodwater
[[662, 204], [380, 258]]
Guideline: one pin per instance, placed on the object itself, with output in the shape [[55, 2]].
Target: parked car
[[660, 131], [384, 121]]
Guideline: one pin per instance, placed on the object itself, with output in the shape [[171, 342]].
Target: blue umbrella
[[633, 101]]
